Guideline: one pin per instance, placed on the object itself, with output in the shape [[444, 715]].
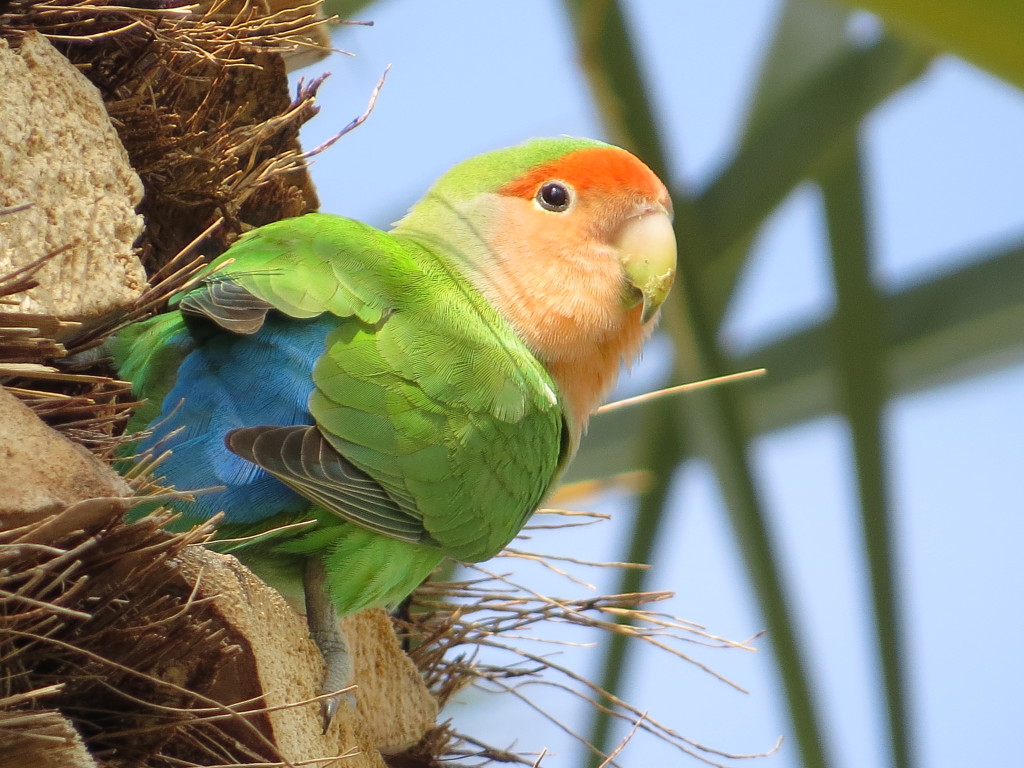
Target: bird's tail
[[148, 355]]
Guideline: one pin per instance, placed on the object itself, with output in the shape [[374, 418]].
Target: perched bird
[[410, 395]]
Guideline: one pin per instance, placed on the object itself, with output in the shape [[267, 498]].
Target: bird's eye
[[554, 196]]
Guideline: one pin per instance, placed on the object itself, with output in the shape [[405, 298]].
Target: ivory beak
[[647, 252]]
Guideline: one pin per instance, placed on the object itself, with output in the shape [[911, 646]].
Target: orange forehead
[[595, 168]]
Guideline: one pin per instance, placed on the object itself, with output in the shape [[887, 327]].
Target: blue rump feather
[[229, 382]]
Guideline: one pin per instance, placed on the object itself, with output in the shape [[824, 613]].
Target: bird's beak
[[647, 252]]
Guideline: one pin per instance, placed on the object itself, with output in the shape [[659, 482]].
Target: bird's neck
[[574, 322], [586, 375]]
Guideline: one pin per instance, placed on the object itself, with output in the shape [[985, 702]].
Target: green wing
[[302, 267], [423, 390]]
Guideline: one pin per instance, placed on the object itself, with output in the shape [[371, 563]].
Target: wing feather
[[228, 304], [299, 457]]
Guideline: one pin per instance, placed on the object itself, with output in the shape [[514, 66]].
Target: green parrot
[[411, 395]]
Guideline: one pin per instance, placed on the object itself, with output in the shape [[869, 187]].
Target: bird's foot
[[325, 631], [338, 673]]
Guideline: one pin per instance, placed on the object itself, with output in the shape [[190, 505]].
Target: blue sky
[[945, 170]]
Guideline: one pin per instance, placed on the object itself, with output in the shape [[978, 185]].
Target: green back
[[426, 388]]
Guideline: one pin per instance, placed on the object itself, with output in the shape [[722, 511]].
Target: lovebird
[[373, 402]]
